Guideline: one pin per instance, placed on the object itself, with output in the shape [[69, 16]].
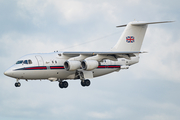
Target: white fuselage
[[51, 66]]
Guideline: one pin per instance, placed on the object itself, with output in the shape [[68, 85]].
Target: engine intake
[[89, 64], [72, 65]]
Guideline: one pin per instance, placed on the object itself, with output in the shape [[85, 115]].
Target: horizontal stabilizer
[[136, 23], [122, 25], [146, 23]]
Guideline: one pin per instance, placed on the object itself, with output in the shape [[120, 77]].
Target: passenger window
[[29, 61], [25, 62], [56, 62], [19, 62], [52, 61]]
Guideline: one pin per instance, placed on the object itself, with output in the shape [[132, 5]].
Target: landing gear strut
[[63, 84], [85, 82]]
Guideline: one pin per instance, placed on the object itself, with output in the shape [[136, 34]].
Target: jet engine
[[72, 65], [89, 64]]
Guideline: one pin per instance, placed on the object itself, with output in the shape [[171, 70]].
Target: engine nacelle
[[72, 65], [89, 64]]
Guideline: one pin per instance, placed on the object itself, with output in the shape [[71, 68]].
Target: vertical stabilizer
[[133, 35], [131, 39]]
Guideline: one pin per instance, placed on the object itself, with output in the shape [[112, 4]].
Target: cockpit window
[[19, 62], [25, 62], [29, 61]]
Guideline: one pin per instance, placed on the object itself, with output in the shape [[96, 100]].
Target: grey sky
[[149, 90]]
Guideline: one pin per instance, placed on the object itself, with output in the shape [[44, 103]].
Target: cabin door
[[40, 60]]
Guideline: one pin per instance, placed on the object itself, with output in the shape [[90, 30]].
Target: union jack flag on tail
[[130, 39]]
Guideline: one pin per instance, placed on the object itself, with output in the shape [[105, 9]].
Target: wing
[[100, 55]]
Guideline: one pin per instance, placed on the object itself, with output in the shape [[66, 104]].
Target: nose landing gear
[[17, 84]]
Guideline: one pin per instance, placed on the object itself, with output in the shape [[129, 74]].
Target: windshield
[[19, 62], [24, 62]]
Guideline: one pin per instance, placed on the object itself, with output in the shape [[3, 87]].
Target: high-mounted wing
[[103, 55]]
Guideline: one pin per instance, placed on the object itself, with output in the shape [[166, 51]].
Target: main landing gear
[[85, 82], [63, 84]]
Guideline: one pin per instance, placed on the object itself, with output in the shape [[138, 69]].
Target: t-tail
[[132, 37]]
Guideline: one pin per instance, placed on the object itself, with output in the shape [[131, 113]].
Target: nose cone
[[5, 73], [8, 72]]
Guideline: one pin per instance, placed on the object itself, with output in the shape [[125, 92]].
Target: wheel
[[65, 84], [17, 84], [87, 82], [83, 83], [60, 85]]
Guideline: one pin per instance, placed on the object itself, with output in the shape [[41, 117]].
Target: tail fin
[[133, 35]]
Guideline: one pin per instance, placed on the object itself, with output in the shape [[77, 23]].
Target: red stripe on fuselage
[[36, 68], [113, 66], [57, 67], [110, 66], [62, 67], [101, 67]]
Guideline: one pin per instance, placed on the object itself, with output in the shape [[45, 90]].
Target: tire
[[65, 84], [60, 85], [19, 84], [87, 82], [83, 83], [16, 84]]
